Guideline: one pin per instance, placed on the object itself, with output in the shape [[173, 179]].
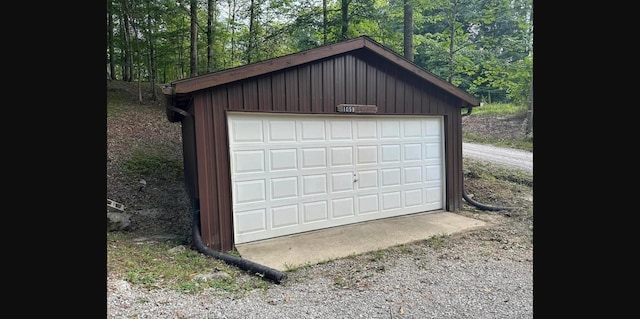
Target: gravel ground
[[457, 282], [446, 289], [483, 273]]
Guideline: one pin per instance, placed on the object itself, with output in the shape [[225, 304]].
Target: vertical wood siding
[[314, 88]]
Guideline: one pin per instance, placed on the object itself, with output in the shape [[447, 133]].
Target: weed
[[436, 241], [377, 255]]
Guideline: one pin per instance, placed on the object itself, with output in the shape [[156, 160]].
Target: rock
[[118, 221]]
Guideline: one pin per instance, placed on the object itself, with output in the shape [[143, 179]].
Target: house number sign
[[356, 108]]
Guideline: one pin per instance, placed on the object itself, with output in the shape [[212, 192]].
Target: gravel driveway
[[503, 156]]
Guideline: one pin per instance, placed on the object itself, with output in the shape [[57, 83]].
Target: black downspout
[[255, 268]]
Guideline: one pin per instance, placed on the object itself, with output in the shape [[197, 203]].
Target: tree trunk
[[452, 35], [252, 31], [152, 54], [138, 64], [408, 30], [210, 8], [232, 22], [324, 22], [344, 21], [530, 113], [126, 32], [112, 60], [194, 38]]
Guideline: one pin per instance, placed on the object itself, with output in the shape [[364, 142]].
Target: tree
[[408, 30], [152, 54], [193, 57], [210, 30], [111, 60], [127, 69]]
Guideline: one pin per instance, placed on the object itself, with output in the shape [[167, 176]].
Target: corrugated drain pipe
[[464, 191], [255, 268], [479, 205]]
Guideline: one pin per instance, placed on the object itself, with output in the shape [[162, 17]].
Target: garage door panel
[[281, 131], [246, 131], [250, 191], [251, 221], [296, 173], [341, 156], [312, 131], [284, 216], [367, 179], [314, 184], [315, 211], [342, 182], [367, 154], [283, 159], [412, 175], [314, 157], [284, 187], [252, 161], [413, 197], [412, 129], [366, 130], [340, 130], [342, 207], [390, 153], [389, 129]]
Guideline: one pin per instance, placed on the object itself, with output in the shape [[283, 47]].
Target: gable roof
[[192, 84]]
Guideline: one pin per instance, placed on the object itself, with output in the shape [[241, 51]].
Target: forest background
[[482, 46]]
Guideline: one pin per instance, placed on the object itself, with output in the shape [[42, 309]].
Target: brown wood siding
[[250, 95], [304, 90], [209, 212], [317, 87], [328, 88], [277, 91], [338, 81], [265, 96], [291, 90], [350, 84]]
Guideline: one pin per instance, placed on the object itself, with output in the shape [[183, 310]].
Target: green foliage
[[482, 46], [151, 164], [505, 109]]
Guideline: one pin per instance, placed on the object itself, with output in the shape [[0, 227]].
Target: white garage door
[[296, 173]]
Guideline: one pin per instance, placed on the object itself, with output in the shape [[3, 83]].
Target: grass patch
[[151, 164], [159, 264], [525, 143], [499, 109], [483, 170]]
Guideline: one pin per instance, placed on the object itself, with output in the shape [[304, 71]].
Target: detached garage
[[336, 135]]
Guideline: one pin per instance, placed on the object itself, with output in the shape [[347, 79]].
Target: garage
[[345, 133], [292, 173]]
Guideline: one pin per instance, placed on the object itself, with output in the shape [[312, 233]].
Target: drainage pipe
[[255, 268], [479, 205]]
